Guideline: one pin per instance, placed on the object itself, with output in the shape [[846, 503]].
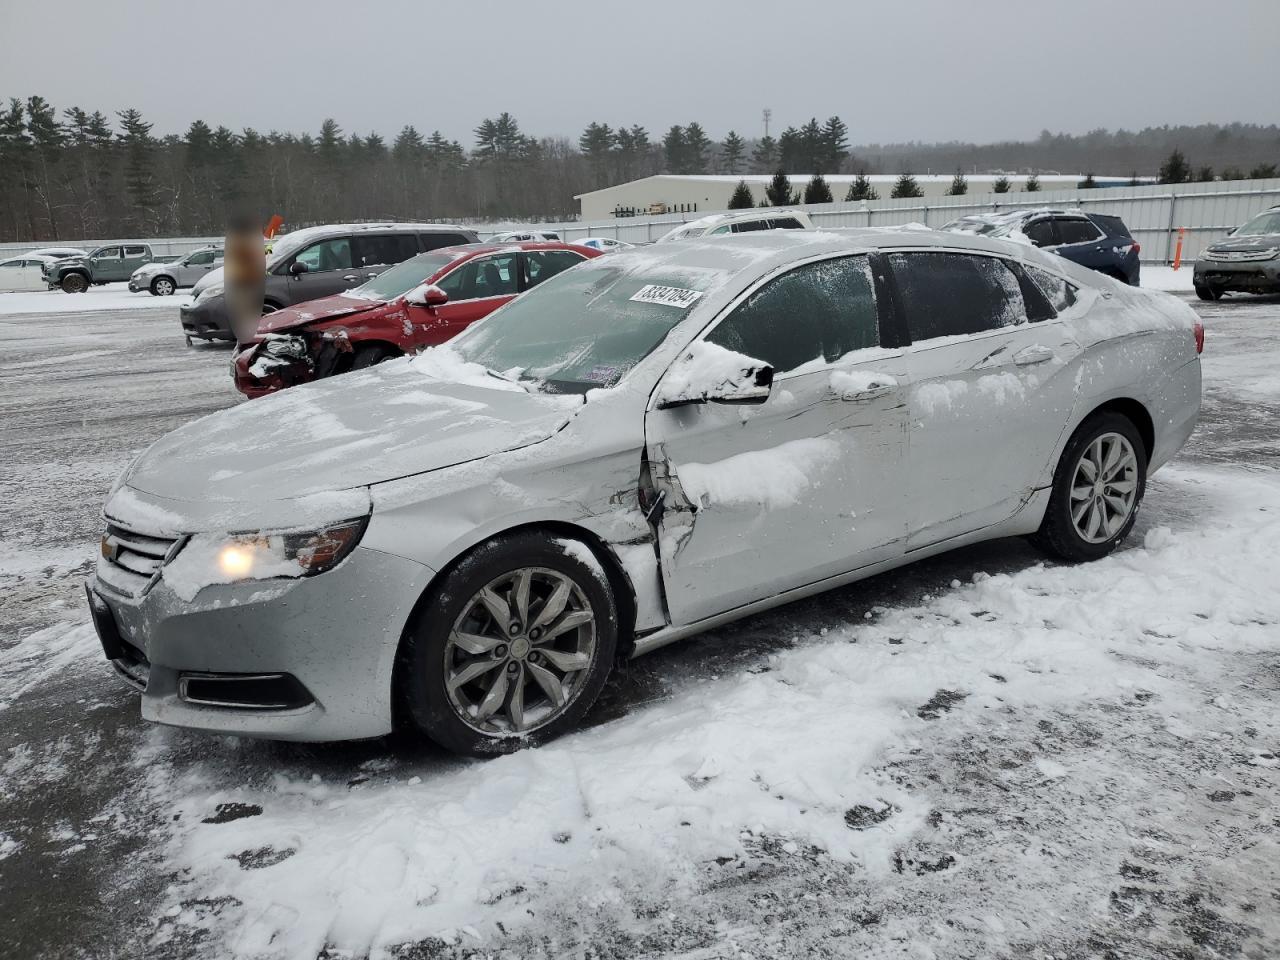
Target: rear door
[[811, 483], [991, 388], [1080, 241], [135, 255], [374, 252]]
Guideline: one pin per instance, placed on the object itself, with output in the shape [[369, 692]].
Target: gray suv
[[1247, 259], [319, 262]]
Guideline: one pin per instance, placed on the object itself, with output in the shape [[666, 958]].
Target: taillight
[[1137, 247], [1199, 331]]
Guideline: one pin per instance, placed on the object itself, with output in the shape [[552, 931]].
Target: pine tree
[[15, 160], [1175, 168], [1033, 184], [1232, 173], [696, 144], [906, 187], [861, 189], [139, 180], [731, 151], [835, 144], [741, 199], [959, 185], [765, 155], [1001, 184], [1263, 171], [675, 150], [778, 193], [1205, 174], [817, 191], [47, 140], [597, 143], [1089, 183]]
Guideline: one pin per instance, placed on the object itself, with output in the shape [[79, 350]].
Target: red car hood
[[315, 311]]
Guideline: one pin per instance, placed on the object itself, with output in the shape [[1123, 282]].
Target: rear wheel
[[512, 648], [163, 287], [1206, 291], [74, 283], [1097, 489]]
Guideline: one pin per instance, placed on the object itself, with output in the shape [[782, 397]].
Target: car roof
[[466, 251], [328, 229]]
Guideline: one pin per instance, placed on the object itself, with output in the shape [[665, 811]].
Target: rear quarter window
[[1060, 294]]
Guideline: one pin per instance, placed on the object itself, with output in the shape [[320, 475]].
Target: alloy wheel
[[164, 288], [1104, 488], [519, 654]]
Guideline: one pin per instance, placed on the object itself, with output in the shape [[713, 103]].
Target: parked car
[[746, 221], [25, 272], [603, 244], [649, 445], [1247, 261], [523, 236], [163, 279], [1098, 241], [416, 304], [318, 262], [108, 264], [57, 253]]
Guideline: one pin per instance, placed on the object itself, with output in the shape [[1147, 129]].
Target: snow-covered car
[[746, 221], [58, 253], [523, 236], [1248, 260], [649, 445], [163, 279], [24, 272], [603, 244]]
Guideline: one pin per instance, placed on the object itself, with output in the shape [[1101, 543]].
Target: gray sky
[[907, 70]]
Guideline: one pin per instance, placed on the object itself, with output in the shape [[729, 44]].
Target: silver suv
[[319, 262], [1247, 259], [163, 279]]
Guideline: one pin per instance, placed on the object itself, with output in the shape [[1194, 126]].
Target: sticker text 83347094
[[668, 296]]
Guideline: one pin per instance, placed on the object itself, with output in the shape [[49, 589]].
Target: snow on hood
[[340, 433], [1264, 241], [315, 311]]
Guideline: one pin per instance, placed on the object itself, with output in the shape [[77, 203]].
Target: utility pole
[[768, 115]]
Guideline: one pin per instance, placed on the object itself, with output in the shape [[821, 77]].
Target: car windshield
[[1260, 225], [586, 327], [398, 280]]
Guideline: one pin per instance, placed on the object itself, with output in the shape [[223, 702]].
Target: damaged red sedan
[[416, 304]]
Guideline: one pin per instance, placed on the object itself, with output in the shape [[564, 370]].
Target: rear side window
[[201, 258], [434, 241], [749, 226], [819, 311], [1112, 226], [951, 294], [785, 223], [1040, 233], [1076, 231], [544, 264], [135, 251], [1057, 291], [384, 249]]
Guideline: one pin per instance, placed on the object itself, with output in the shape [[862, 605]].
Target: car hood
[[315, 311], [208, 280], [344, 432], [1266, 241]]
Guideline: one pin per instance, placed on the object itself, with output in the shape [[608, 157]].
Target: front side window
[[482, 277], [818, 311], [326, 255], [544, 264], [383, 249], [952, 294], [1040, 233], [1076, 230], [106, 253]]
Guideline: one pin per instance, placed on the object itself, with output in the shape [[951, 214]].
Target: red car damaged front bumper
[[272, 362]]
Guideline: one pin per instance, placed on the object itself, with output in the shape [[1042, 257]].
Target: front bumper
[[1249, 276], [257, 373], [333, 637], [207, 320]]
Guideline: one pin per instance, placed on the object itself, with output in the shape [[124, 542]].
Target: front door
[[811, 483], [330, 270], [991, 387], [476, 288]]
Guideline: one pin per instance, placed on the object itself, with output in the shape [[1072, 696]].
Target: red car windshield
[[398, 280]]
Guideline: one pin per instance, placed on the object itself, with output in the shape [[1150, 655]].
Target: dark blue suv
[[1093, 240]]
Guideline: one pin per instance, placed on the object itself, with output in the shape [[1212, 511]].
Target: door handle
[[350, 278], [1036, 353], [856, 387]]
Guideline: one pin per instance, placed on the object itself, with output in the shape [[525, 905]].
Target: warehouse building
[[670, 193]]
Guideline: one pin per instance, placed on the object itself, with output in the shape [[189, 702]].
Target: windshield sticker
[[667, 296]]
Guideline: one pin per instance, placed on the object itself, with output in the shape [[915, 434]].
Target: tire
[[371, 355], [74, 283], [457, 633], [1081, 528], [269, 308], [163, 287], [1206, 292]]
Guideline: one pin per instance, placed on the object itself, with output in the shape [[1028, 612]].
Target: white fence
[[1154, 214]]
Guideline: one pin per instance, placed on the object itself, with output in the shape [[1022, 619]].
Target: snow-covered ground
[[109, 296], [983, 755], [1160, 277]]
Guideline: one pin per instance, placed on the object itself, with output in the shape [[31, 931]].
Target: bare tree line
[[77, 174]]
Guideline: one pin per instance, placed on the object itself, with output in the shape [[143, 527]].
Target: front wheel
[[1097, 489], [1208, 292], [162, 287], [371, 355], [512, 649], [74, 283]]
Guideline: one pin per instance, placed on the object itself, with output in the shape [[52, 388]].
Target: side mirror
[[427, 295], [298, 268], [708, 373]]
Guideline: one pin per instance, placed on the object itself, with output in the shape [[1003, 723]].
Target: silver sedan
[[649, 445]]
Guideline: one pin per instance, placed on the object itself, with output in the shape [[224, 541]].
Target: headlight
[[209, 292], [302, 554]]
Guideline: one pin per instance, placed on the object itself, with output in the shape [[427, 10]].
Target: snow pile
[[43, 655], [445, 363], [850, 383], [772, 478], [109, 296]]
